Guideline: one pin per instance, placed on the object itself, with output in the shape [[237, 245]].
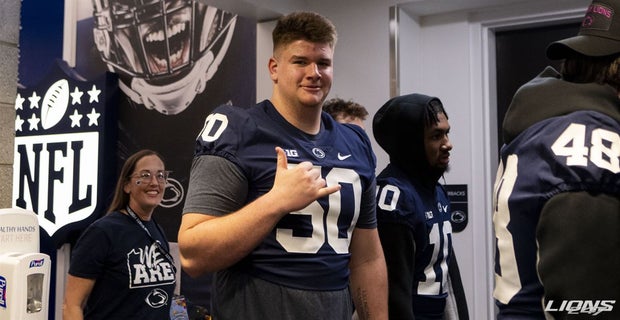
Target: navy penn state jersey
[[308, 249], [426, 213], [571, 153]]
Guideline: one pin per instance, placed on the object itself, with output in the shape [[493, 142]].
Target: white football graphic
[[55, 103]]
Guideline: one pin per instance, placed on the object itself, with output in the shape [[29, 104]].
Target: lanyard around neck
[[165, 252], [139, 222]]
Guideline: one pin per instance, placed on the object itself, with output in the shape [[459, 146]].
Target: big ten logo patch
[[59, 146]]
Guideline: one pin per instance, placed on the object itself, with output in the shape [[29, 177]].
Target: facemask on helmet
[[164, 50]]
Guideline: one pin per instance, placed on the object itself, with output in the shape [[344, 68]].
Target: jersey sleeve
[[399, 249], [217, 183], [395, 202], [368, 207], [456, 302], [578, 238], [216, 186], [226, 130], [368, 212]]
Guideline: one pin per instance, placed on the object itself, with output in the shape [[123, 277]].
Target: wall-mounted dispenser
[[24, 271]]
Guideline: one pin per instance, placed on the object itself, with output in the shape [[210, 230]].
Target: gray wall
[[9, 53]]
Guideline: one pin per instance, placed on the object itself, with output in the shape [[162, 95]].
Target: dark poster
[[174, 69]]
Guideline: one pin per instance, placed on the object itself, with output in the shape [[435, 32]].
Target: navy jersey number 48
[[578, 145], [604, 148]]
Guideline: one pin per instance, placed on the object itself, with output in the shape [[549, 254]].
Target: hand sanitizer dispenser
[[24, 271]]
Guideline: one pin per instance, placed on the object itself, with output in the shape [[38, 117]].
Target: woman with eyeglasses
[[121, 267]]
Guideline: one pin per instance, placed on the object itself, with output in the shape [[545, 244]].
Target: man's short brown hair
[[339, 107], [307, 26]]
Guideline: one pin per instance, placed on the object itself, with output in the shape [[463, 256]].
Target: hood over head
[[398, 127], [547, 95]]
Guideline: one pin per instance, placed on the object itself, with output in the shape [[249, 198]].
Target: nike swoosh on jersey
[[343, 157]]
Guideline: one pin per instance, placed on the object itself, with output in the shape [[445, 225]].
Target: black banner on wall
[[65, 148], [457, 193]]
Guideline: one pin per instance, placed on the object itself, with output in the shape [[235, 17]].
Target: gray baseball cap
[[599, 34]]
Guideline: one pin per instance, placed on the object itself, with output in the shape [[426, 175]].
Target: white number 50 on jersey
[[328, 230]]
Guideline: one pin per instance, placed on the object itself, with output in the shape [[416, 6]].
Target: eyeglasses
[[146, 176]]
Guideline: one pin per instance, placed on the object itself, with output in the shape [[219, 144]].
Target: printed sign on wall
[[63, 134], [457, 193]]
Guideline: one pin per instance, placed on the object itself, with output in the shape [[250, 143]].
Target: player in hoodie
[[413, 210], [556, 196]]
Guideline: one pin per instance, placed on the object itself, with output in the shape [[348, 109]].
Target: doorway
[[520, 56]]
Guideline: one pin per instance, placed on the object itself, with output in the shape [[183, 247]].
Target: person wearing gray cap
[[557, 191]]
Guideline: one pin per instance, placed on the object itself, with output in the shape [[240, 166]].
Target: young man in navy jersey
[[413, 210], [281, 198], [557, 191]]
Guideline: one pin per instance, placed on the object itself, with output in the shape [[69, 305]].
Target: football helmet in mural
[[164, 51]]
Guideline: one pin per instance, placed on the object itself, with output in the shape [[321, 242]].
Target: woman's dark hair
[[584, 69], [121, 199]]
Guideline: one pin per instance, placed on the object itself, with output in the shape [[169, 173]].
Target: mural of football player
[[169, 55], [165, 51]]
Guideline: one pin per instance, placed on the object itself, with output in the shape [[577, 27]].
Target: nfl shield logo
[[64, 135]]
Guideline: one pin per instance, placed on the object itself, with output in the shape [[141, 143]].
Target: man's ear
[[273, 69]]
